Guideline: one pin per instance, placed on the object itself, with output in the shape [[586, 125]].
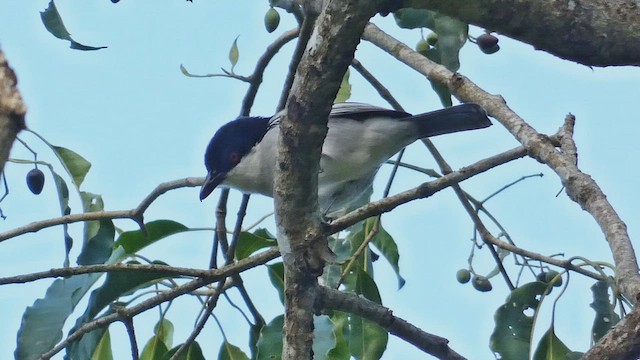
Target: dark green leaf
[[356, 237], [231, 352], [249, 243], [341, 331], [362, 284], [367, 340], [270, 341], [387, 247], [276, 275], [155, 349], [414, 18], [344, 93], [194, 352], [98, 245], [76, 166], [512, 334], [333, 271], [53, 23], [324, 339], [264, 233], [551, 348], [134, 241], [441, 90], [63, 199], [103, 350], [605, 317]]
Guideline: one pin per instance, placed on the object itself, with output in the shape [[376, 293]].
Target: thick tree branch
[[431, 344], [12, 110], [621, 343], [303, 128], [589, 32]]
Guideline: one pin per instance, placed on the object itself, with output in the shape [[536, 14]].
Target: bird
[[360, 138]]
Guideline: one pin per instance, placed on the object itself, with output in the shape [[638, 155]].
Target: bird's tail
[[449, 120]]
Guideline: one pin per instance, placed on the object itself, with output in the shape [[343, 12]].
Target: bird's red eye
[[234, 157]]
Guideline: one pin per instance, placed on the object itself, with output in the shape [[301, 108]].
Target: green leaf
[[270, 341], [231, 352], [42, 323], [136, 240], [103, 350], [367, 340], [387, 247], [551, 347], [164, 330], [606, 317], [53, 23], [512, 335], [234, 53], [356, 237], [276, 275], [414, 18], [362, 284], [344, 92], [333, 271], [76, 166], [155, 349], [341, 351], [324, 339], [194, 352], [452, 35], [249, 243], [441, 90], [63, 199], [98, 247]]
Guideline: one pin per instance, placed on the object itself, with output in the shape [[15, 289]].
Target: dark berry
[[481, 283], [463, 276], [271, 20], [35, 180]]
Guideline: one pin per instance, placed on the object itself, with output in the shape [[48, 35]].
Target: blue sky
[[130, 111]]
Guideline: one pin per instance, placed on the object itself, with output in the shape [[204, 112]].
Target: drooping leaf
[[76, 166], [229, 351], [103, 350], [605, 317], [164, 330], [234, 53], [387, 247], [441, 90], [367, 340], [194, 352], [63, 199], [324, 339], [344, 92], [249, 243], [134, 241], [270, 341], [41, 326], [362, 284], [341, 351], [512, 335], [155, 349], [276, 275], [409, 18], [452, 35], [99, 246], [53, 23], [551, 347]]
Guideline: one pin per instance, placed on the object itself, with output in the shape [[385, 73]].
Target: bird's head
[[228, 146]]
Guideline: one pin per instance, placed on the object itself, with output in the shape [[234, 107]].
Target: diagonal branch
[[431, 344]]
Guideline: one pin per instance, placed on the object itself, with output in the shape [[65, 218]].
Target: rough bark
[[302, 130], [589, 32], [621, 343], [12, 110]]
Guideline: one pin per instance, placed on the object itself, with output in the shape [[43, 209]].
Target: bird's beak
[[212, 180]]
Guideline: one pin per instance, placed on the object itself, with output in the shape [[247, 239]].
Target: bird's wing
[[360, 111]]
